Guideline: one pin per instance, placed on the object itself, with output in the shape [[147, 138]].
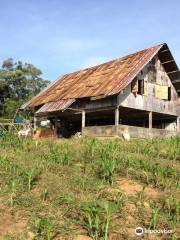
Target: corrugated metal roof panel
[[105, 79], [55, 106]]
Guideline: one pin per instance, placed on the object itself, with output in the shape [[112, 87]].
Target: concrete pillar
[[150, 120], [178, 124], [83, 119], [117, 116]]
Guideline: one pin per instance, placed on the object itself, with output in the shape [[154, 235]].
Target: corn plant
[[43, 227], [146, 176], [13, 191], [31, 175], [84, 182], [177, 184], [173, 222], [37, 225], [110, 209], [119, 200], [140, 194], [48, 229], [98, 218], [65, 157], [92, 218], [54, 154], [109, 165], [177, 210], [156, 144], [45, 194], [168, 205], [173, 212], [58, 155], [154, 217], [128, 163], [91, 148]]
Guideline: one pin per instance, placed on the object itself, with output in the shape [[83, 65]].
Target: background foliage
[[19, 82]]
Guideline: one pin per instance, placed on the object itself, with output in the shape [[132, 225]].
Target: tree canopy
[[19, 82]]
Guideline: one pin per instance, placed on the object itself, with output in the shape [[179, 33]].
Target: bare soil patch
[[129, 187], [11, 224]]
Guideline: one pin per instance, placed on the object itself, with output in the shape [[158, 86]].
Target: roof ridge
[[113, 60]]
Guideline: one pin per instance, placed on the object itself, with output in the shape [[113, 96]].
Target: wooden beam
[[176, 81], [117, 116], [170, 61], [166, 50], [150, 120], [74, 109], [173, 72], [98, 110], [97, 97]]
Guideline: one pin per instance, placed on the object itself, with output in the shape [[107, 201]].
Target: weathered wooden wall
[[88, 104], [152, 74]]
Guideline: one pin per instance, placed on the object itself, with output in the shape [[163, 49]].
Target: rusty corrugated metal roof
[[55, 106], [102, 80]]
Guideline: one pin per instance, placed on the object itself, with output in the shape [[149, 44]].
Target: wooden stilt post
[[150, 120]]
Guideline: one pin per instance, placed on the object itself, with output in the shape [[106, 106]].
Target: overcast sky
[[60, 36]]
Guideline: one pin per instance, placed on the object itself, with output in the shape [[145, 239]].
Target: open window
[[139, 86], [169, 93]]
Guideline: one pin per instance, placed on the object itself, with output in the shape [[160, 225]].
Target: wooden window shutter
[[134, 86], [161, 92], [145, 88]]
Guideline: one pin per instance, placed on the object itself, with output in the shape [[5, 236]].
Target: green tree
[[19, 82]]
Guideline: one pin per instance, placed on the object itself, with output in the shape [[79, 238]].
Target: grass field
[[89, 189]]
